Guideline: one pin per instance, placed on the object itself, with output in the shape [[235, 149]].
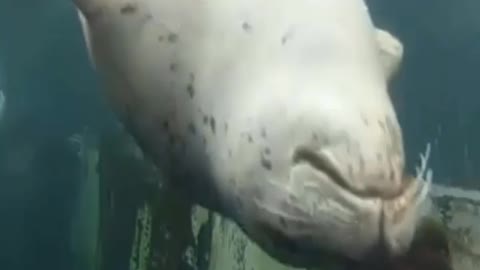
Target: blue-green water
[[52, 93]]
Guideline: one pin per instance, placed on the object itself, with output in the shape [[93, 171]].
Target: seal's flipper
[[391, 52]]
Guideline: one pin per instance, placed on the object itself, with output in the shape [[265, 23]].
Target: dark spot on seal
[[172, 37], [315, 136], [392, 175], [148, 17], [212, 124], [267, 164], [379, 156], [225, 127], [128, 8], [361, 162], [173, 67], [192, 129], [263, 133], [161, 38], [365, 121], [190, 90], [246, 27], [382, 125], [249, 138], [229, 152], [205, 120], [285, 38], [267, 151]]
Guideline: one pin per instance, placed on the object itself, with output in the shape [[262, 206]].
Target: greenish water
[[55, 211]]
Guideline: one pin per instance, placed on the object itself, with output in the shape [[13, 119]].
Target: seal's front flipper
[[391, 52]]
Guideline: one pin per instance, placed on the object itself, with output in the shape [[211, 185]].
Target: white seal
[[274, 113]]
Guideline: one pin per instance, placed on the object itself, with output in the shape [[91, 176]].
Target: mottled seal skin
[[274, 113]]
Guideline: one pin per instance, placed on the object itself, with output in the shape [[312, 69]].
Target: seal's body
[[274, 113]]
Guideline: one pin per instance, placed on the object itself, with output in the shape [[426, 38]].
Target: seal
[[275, 114]]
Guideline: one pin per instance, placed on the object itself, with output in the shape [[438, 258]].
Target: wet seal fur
[[276, 114]]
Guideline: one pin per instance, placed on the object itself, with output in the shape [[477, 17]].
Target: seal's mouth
[[319, 211], [323, 163]]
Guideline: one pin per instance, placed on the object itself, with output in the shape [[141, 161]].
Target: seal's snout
[[322, 160], [317, 210]]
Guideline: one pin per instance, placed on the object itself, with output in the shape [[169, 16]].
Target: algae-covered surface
[[459, 211], [144, 225]]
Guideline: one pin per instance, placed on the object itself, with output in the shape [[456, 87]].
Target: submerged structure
[[145, 226]]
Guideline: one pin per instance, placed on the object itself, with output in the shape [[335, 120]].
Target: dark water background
[[52, 94]]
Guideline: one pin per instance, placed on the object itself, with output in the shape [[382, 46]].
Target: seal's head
[[275, 114], [315, 213]]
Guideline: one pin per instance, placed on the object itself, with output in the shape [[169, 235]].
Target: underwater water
[[76, 194]]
